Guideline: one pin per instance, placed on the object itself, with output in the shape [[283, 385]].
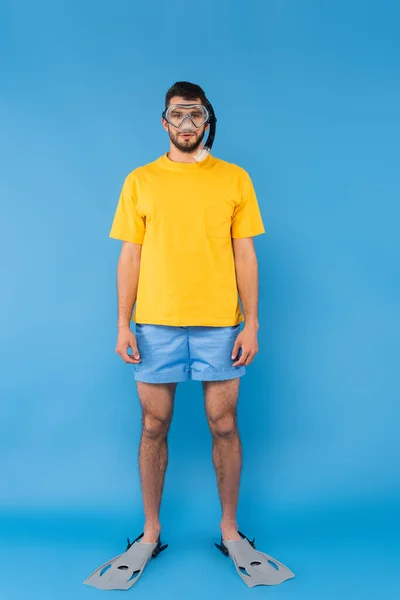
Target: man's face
[[189, 141]]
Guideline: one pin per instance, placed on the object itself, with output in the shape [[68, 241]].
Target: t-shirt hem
[[185, 324], [252, 234], [116, 236]]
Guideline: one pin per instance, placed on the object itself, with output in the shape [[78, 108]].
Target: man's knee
[[224, 427], [155, 427]]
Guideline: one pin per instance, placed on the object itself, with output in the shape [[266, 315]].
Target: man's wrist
[[252, 323]]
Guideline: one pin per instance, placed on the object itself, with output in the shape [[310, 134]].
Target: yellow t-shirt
[[184, 215]]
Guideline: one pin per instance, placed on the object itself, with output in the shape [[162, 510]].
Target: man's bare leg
[[157, 400], [220, 402]]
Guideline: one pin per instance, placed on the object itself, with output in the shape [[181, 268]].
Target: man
[[187, 222]]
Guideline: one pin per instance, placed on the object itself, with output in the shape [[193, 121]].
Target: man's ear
[[164, 123]]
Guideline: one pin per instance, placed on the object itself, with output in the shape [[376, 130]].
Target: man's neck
[[185, 157]]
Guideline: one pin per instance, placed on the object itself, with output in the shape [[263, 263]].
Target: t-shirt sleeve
[[246, 219], [128, 225]]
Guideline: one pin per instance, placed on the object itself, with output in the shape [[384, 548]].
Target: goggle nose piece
[[188, 126]]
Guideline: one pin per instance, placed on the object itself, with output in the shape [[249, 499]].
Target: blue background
[[307, 97]]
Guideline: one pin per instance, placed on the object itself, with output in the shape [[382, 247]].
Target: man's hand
[[127, 339], [247, 341]]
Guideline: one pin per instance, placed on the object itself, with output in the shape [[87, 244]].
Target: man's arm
[[127, 284], [247, 278], [246, 267]]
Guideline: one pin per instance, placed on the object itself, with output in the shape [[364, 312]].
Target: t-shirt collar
[[183, 167]]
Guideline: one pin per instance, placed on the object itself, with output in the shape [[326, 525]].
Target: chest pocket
[[218, 221]]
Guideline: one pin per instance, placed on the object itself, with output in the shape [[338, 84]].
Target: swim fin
[[253, 566], [123, 571]]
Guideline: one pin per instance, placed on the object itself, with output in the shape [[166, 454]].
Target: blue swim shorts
[[172, 354]]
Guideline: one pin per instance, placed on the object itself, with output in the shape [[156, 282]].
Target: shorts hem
[[218, 375], [168, 377]]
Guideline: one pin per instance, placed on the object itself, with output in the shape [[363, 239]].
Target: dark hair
[[186, 90]]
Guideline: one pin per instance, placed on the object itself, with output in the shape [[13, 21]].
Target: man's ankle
[[152, 529]]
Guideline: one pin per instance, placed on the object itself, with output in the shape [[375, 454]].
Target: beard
[[185, 146]]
